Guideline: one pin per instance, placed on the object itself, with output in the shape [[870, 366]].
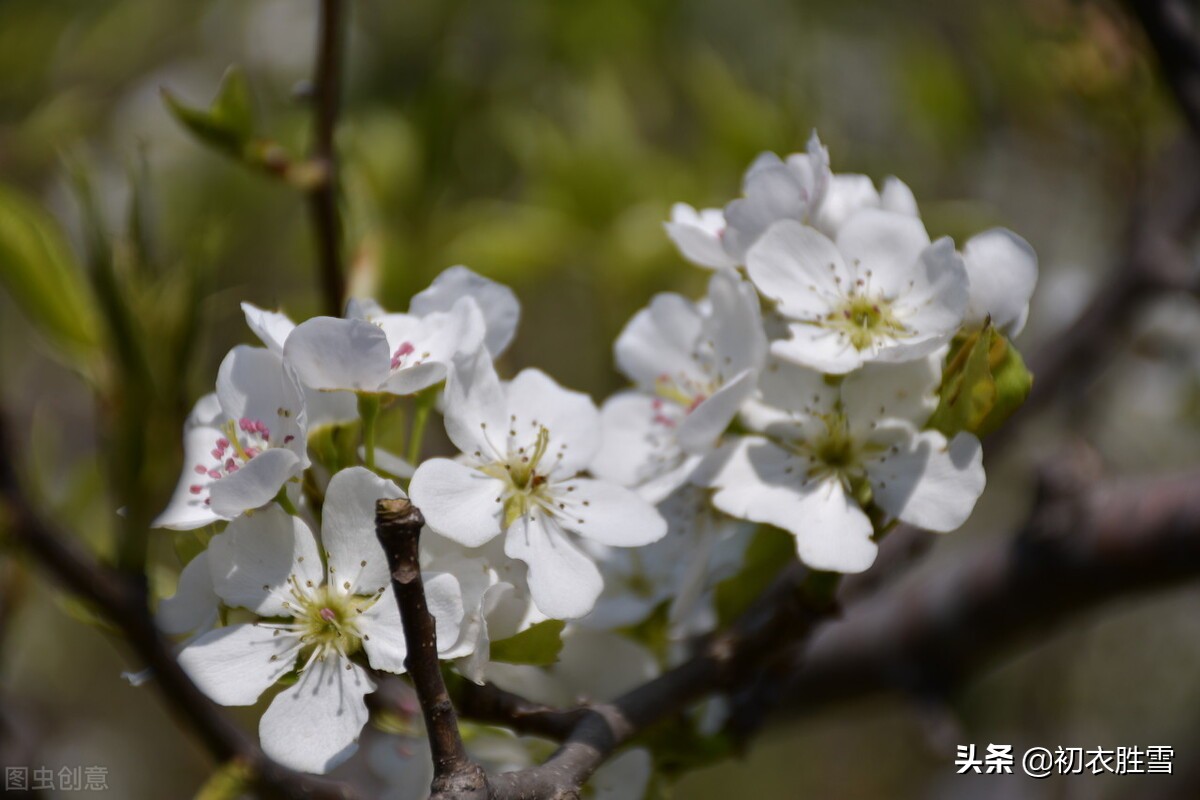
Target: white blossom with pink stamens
[[242, 444], [693, 364]]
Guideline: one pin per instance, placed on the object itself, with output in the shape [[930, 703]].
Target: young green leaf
[[38, 269], [228, 124]]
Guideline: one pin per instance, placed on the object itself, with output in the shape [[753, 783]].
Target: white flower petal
[[271, 327], [474, 406], [659, 340], [637, 439], [255, 484], [314, 725], [847, 194], [252, 562], [534, 401], [734, 327], [1003, 270], [348, 530], [607, 513], [698, 235], [253, 384], [699, 430], [898, 198], [885, 244], [234, 665], [773, 192], [906, 392], [800, 269], [444, 595], [929, 483], [331, 353], [933, 305], [760, 482], [457, 501], [383, 630], [435, 339], [188, 509], [501, 310], [194, 604], [563, 581], [818, 348], [329, 408]]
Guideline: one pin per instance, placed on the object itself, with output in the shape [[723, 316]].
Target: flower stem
[[416, 435], [368, 409], [285, 502]]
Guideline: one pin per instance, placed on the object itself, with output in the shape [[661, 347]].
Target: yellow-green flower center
[[525, 487], [865, 320]]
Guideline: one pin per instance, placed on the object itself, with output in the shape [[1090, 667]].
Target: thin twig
[[323, 197], [398, 525]]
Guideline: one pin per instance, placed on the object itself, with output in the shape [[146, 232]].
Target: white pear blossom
[[501, 310], [694, 364], [390, 353], [882, 292], [700, 235], [323, 408], [524, 445], [1003, 270], [241, 444], [801, 188], [319, 603], [821, 451]]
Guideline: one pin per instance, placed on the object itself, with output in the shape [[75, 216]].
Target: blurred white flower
[[1003, 270], [801, 188], [694, 364]]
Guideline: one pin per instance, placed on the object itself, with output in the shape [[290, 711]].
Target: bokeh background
[[542, 143]]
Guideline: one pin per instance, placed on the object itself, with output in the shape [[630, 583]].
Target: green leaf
[[984, 382], [538, 645], [38, 269], [769, 551], [228, 124], [232, 779]]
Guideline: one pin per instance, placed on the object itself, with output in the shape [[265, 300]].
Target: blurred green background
[[542, 143]]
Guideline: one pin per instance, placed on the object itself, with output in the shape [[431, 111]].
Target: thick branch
[[398, 525], [1077, 552], [122, 601], [785, 614], [323, 197]]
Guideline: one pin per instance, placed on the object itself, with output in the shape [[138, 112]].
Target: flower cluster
[[825, 385]]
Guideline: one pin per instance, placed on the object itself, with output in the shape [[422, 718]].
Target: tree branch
[[323, 197], [786, 613], [398, 525], [1079, 550], [121, 600]]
